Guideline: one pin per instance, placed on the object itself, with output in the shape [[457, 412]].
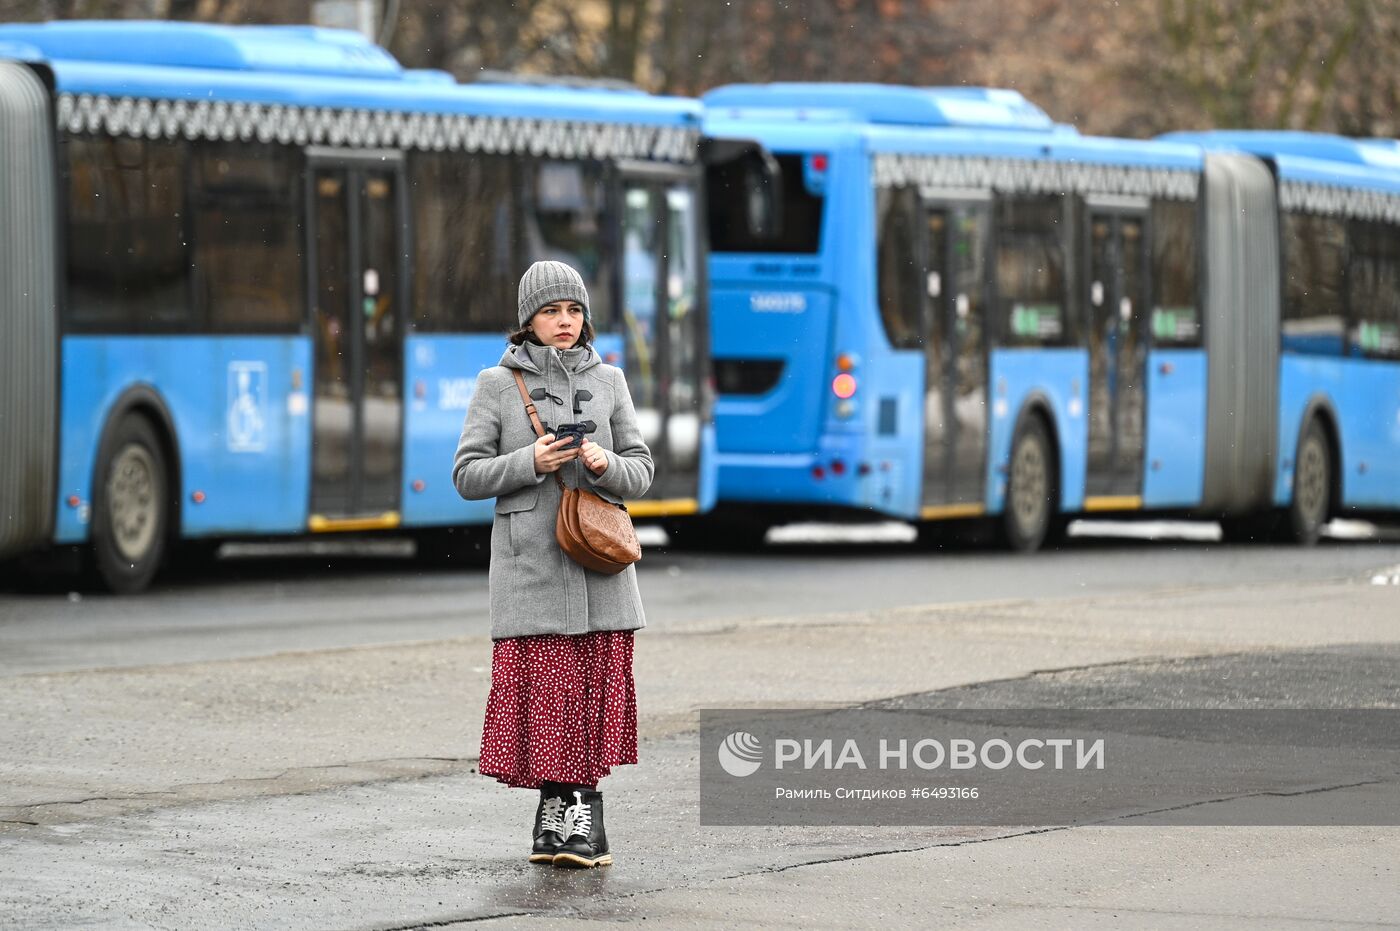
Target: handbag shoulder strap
[[534, 417], [529, 404]]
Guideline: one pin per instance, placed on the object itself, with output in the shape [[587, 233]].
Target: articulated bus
[[248, 276], [959, 310]]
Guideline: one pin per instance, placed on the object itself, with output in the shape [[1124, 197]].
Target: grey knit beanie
[[546, 282]]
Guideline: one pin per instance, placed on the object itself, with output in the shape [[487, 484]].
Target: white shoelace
[[582, 816], [552, 816]]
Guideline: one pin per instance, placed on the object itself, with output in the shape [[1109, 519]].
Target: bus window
[[1176, 319], [900, 292], [249, 270], [564, 209], [128, 255], [732, 185], [466, 232], [1030, 272], [1314, 253], [685, 334], [641, 251], [1373, 283]]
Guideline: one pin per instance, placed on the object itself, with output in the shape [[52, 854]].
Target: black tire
[[1029, 509], [130, 507], [1057, 534], [1313, 472]]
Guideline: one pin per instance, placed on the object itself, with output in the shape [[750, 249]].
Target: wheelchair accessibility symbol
[[247, 407]]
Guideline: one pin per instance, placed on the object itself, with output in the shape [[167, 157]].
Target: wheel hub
[[131, 501], [1028, 485], [1312, 480]]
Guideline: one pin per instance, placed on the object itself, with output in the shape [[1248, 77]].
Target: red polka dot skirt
[[562, 708]]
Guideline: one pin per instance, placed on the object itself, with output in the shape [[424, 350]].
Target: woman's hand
[[594, 457], [550, 454]]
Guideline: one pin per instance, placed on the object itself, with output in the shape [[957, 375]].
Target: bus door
[[1117, 302], [663, 325], [955, 402], [357, 283]]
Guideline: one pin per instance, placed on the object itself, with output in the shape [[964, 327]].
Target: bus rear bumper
[[820, 480]]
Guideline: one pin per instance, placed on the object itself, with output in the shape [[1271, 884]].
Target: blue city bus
[[248, 276], [1337, 422], [955, 309]]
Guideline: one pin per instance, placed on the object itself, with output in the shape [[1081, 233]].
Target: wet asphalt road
[[447, 850], [341, 594], [294, 784]]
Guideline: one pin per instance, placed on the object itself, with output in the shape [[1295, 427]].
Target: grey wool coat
[[535, 587]]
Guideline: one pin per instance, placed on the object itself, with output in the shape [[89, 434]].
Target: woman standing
[[563, 708]]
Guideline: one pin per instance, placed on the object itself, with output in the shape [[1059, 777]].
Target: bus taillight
[[844, 385]]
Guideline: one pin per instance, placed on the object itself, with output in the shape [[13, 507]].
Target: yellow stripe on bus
[[386, 521], [663, 507], [1114, 503], [951, 511]]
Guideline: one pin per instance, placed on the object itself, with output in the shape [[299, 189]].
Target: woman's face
[[559, 324]]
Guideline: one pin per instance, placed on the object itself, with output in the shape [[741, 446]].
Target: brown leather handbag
[[594, 532]]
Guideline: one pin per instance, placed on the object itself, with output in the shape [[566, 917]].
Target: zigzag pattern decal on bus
[[1048, 177], [223, 120], [1330, 200]]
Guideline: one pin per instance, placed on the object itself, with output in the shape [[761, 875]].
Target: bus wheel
[[1312, 486], [1027, 512], [131, 505]]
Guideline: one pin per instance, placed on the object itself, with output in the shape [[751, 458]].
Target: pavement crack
[[1263, 793], [241, 787], [452, 922], [967, 841], [876, 703], [134, 796]]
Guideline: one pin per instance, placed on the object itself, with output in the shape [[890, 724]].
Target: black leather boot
[[586, 844], [549, 822]]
